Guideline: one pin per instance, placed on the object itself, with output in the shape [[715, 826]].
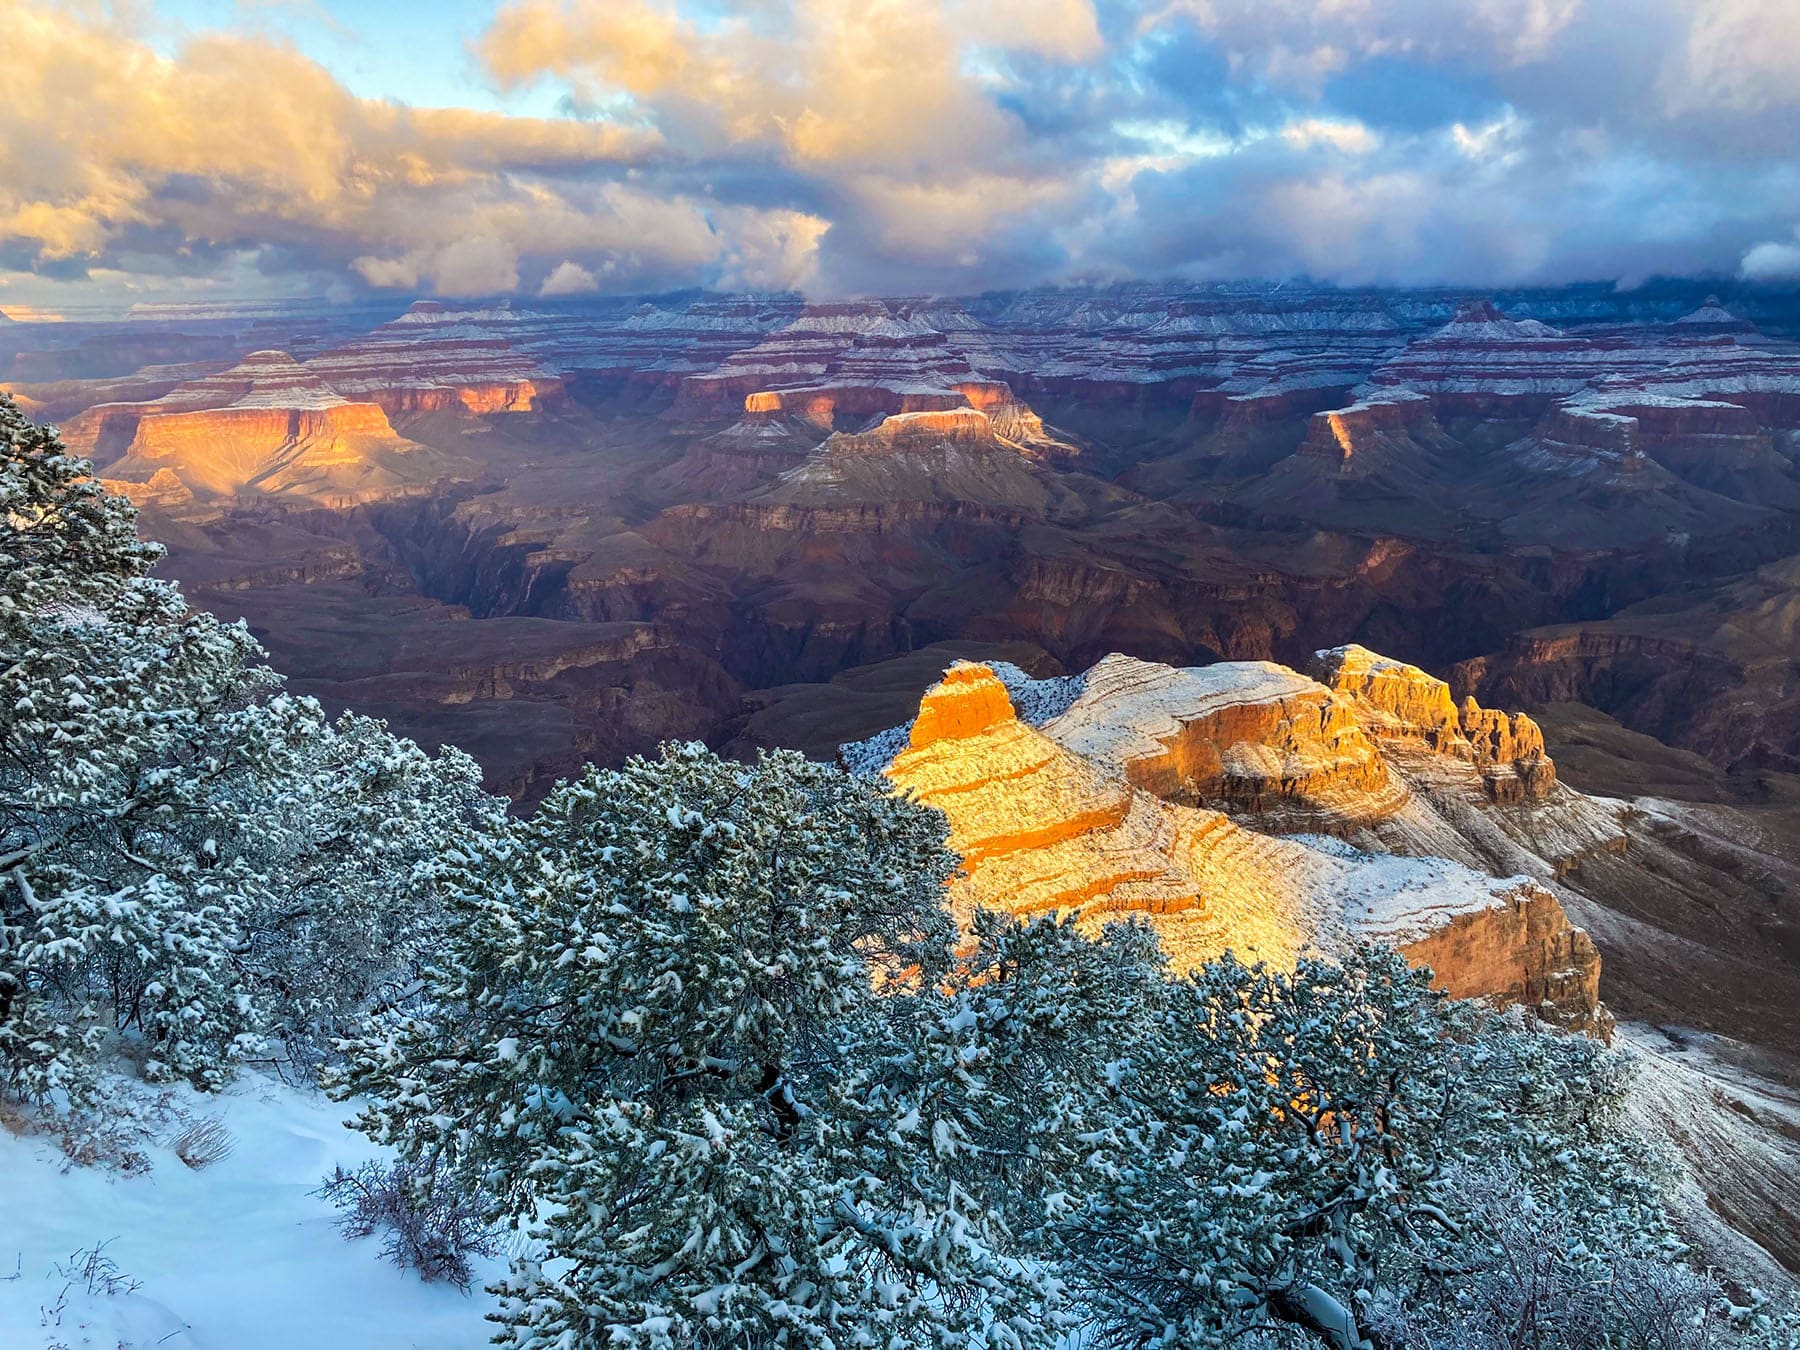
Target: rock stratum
[[1148, 791]]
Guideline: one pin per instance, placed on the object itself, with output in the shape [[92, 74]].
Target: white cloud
[[920, 143], [1296, 43], [1348, 136], [1740, 55], [569, 278], [480, 266], [1771, 261]]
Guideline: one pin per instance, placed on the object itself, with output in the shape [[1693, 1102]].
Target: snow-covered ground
[[237, 1256]]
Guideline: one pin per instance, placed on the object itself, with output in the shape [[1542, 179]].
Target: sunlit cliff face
[[1100, 833]]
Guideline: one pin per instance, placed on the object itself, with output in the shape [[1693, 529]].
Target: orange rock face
[[918, 430], [966, 702], [1088, 814], [266, 426], [477, 396], [1042, 830], [1525, 953], [1402, 705], [1342, 433], [1072, 819], [162, 489], [1245, 735]]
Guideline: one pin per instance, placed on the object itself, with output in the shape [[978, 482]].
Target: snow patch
[[237, 1255]]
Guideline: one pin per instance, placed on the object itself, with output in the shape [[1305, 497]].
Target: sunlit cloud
[[1350, 137], [909, 144]]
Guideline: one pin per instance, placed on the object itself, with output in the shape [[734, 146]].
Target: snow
[[1732, 1130], [1398, 899], [1036, 702], [237, 1256], [489, 314], [1483, 323], [869, 757], [1710, 312], [1129, 708], [1604, 400]]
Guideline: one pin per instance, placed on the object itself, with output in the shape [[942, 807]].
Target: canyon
[[1101, 572]]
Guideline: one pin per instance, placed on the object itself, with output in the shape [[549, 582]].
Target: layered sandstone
[[1524, 953], [436, 360], [1240, 735], [1342, 435], [266, 426], [1405, 707], [162, 489], [1712, 670], [1063, 820], [954, 455]]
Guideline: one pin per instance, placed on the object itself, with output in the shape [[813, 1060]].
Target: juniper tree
[[192, 862], [690, 1015], [1292, 1150]]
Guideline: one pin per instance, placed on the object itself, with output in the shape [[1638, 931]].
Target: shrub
[[426, 1225], [658, 1026], [195, 868], [204, 1143]]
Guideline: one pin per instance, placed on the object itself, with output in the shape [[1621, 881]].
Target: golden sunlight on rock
[[1103, 812]]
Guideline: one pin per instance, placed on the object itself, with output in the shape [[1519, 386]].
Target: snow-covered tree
[[192, 863], [690, 1016], [1292, 1150], [1530, 1273]]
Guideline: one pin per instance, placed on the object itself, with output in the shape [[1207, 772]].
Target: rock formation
[[1076, 816], [433, 359], [266, 426], [1402, 706], [1715, 670], [1240, 735]]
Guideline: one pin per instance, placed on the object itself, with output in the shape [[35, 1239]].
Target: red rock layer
[[1401, 704], [1523, 953]]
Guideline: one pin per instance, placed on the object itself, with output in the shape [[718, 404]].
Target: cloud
[[1772, 261], [1301, 42], [569, 278], [482, 266], [1350, 137], [1741, 55], [110, 151], [900, 145]]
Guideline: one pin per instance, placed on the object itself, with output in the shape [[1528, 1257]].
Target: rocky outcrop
[[1484, 363], [267, 426], [956, 455], [437, 361], [1524, 953], [1241, 735], [1341, 435], [1060, 818], [162, 489], [1402, 706], [1713, 670]]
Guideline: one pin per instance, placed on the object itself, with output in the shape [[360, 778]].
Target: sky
[[202, 149]]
